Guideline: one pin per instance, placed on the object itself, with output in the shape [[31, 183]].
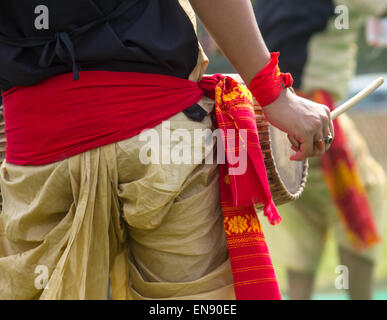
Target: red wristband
[[268, 83]]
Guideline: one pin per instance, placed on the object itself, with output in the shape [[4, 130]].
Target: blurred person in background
[[320, 50]]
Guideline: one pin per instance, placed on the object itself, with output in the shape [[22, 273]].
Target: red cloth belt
[[59, 118]]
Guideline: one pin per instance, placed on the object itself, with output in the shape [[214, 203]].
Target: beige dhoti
[[156, 228]]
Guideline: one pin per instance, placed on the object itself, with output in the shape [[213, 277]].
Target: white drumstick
[[357, 98]]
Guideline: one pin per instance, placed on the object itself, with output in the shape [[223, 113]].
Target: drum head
[[291, 172]]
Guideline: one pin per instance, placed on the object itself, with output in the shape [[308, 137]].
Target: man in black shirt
[[156, 228]]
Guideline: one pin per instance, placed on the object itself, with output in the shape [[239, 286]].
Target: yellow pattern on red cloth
[[253, 272]]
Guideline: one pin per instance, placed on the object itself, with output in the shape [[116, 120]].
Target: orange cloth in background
[[346, 186]]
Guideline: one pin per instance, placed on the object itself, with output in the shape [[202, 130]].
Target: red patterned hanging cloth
[[253, 272]]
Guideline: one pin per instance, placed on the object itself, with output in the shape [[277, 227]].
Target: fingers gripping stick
[[346, 106]]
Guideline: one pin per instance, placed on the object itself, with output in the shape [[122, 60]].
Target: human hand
[[307, 124]]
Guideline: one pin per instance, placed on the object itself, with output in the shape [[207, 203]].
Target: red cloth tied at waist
[[59, 118]]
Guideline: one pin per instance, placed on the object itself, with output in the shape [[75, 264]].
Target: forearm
[[233, 26]]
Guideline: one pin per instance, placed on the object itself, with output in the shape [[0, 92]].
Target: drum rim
[[279, 192]]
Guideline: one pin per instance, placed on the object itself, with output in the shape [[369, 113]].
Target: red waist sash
[[59, 118]]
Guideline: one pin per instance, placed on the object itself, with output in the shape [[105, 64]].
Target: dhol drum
[[287, 178]]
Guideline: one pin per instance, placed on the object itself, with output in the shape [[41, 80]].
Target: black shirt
[[149, 36]]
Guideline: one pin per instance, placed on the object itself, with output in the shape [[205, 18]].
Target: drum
[[287, 178]]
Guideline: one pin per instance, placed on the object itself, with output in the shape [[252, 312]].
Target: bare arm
[[233, 26]]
